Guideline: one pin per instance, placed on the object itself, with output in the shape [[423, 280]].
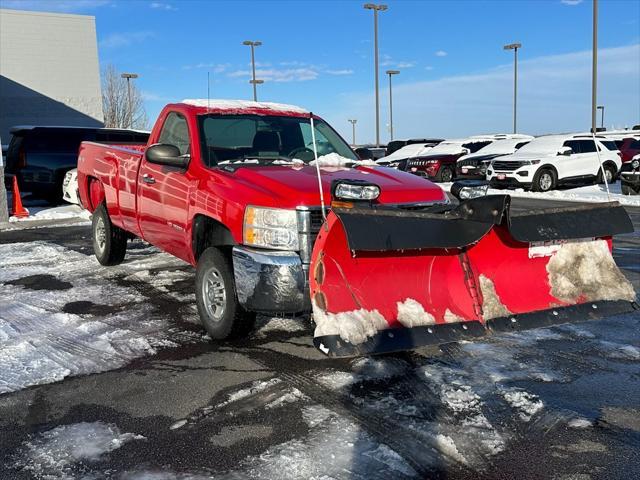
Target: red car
[[629, 147], [439, 163]]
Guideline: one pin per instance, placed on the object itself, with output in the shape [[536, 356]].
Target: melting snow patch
[[492, 306], [256, 387], [526, 403], [580, 423], [336, 160], [53, 454]]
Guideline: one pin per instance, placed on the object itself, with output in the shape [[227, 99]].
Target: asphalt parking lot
[[142, 393]]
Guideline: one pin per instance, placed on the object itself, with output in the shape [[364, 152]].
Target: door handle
[[146, 178]]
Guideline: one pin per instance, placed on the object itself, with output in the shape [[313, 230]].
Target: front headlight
[[355, 191], [271, 228], [635, 164]]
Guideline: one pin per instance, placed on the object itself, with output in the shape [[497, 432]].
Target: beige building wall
[[49, 71]]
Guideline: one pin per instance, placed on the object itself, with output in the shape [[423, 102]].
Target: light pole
[[253, 67], [601, 107], [353, 122], [391, 73], [594, 67], [376, 8], [129, 76], [514, 47]]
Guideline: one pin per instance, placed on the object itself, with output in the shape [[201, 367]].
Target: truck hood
[[292, 186]]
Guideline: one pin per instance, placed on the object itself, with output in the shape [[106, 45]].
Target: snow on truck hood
[[289, 186]]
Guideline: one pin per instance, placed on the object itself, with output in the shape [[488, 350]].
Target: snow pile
[[412, 314], [526, 403], [54, 213], [587, 270], [55, 453], [242, 105], [492, 306], [336, 160], [354, 327], [408, 151]]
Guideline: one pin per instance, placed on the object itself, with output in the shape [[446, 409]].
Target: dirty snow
[[53, 213], [492, 306], [587, 269], [41, 343], [412, 314], [527, 404], [55, 453], [354, 326]]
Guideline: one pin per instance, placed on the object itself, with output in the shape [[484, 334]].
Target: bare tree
[[118, 111]]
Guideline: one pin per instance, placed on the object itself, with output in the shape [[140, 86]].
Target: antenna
[[208, 93], [315, 155]]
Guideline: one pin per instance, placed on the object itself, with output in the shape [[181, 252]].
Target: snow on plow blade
[[385, 279]]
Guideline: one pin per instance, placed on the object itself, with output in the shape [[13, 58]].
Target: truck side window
[[175, 132]]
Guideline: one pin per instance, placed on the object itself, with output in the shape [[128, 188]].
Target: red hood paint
[[292, 186]]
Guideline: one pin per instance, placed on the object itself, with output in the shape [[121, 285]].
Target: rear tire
[[445, 174], [544, 180], [109, 241], [220, 312]]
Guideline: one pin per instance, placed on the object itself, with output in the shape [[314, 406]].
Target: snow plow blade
[[385, 279]]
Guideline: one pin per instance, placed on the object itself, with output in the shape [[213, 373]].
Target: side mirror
[[165, 154], [466, 189], [565, 151]]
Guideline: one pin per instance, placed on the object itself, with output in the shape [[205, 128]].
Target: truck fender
[[96, 193], [207, 232]]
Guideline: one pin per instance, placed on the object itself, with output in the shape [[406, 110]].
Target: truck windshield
[[233, 138]]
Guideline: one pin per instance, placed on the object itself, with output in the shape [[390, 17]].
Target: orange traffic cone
[[18, 209]]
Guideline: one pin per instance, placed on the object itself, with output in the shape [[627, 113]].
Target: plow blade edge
[[386, 279]]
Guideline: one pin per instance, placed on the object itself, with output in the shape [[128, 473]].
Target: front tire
[[220, 312], [544, 180], [109, 241]]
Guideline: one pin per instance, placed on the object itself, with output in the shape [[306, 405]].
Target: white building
[[49, 71]]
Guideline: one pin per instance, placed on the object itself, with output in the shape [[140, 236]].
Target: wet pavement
[[165, 403]]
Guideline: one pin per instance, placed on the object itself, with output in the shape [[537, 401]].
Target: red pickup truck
[[231, 187]]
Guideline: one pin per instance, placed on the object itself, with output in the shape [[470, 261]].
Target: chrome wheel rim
[[214, 294], [100, 235], [545, 181], [608, 175]]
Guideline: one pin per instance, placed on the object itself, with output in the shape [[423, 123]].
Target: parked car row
[[522, 161]]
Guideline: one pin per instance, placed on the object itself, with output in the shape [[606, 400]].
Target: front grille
[[316, 220], [506, 166]]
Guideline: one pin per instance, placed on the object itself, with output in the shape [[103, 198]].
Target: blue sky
[[455, 77]]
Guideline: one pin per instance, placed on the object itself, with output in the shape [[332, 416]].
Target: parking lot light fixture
[[376, 8], [353, 122], [253, 80], [391, 73], [601, 108], [129, 77], [514, 47]]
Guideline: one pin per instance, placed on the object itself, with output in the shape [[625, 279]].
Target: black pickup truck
[[41, 156]]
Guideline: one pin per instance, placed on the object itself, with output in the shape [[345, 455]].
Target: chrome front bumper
[[269, 281]]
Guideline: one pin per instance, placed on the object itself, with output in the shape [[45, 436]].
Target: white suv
[[552, 160]]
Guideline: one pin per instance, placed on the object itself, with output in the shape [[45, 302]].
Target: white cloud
[[441, 53], [428, 67], [344, 71], [388, 61], [571, 2], [54, 5], [162, 6], [275, 75], [213, 67], [124, 39], [553, 96]]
